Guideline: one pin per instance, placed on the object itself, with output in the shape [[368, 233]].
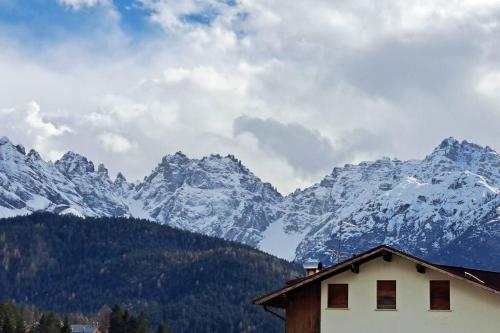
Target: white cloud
[[6, 111], [43, 128], [79, 4], [368, 79], [28, 125], [116, 143], [489, 84]]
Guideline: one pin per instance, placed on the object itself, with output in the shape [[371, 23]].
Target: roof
[[83, 328], [313, 264], [484, 279]]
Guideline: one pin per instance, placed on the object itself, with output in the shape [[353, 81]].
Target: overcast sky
[[292, 88]]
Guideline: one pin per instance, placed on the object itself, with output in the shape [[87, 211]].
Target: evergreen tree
[[66, 328], [49, 323], [20, 327], [116, 320], [7, 326], [143, 323], [103, 318], [132, 325], [163, 329], [8, 311]]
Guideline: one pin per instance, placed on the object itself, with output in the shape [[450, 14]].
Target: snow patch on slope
[[277, 241]]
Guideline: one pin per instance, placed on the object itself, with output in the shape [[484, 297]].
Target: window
[[338, 295], [386, 294], [440, 295]]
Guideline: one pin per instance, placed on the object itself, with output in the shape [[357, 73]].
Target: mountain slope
[[192, 282], [214, 195], [420, 206]]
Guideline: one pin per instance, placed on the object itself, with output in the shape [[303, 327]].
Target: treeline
[[191, 282], [24, 319], [121, 321]]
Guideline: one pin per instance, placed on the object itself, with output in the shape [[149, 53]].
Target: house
[[83, 329], [386, 290]]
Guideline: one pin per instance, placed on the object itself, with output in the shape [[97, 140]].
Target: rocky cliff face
[[427, 207], [214, 195], [418, 206]]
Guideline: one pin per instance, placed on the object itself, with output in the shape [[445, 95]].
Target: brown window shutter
[[386, 294], [338, 296], [440, 295]]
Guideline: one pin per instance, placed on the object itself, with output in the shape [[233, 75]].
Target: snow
[[136, 209], [416, 204], [279, 242], [38, 202], [72, 211], [5, 212]]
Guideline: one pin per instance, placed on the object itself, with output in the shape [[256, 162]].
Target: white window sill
[[341, 309], [386, 309], [439, 310]]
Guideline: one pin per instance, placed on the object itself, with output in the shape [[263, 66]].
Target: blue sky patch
[[41, 21]]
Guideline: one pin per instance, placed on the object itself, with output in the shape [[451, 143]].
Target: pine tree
[[7, 326], [142, 323], [66, 328], [103, 317], [132, 325], [20, 327], [116, 320], [163, 329], [49, 323]]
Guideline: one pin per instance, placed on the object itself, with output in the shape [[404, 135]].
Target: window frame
[[378, 296], [329, 291], [448, 283]]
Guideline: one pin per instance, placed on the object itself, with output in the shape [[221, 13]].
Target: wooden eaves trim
[[363, 257]]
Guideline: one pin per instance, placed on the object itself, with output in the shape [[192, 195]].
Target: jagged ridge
[[421, 206]]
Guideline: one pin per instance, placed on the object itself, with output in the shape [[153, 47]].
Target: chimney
[[312, 266]]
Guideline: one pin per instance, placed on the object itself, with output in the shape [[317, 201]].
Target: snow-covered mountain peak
[[34, 155], [102, 171], [178, 158], [452, 156], [4, 140], [420, 206], [72, 163], [464, 152], [120, 178], [403, 203], [214, 195], [9, 151]]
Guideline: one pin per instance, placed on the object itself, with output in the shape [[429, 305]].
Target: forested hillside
[[193, 283]]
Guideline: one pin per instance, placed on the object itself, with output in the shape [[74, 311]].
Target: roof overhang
[[278, 297]]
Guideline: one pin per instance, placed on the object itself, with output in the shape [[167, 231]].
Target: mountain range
[[442, 207]]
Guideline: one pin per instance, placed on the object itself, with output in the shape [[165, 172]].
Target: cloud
[[79, 4], [304, 149], [291, 89], [181, 15], [28, 125], [35, 122], [116, 143]]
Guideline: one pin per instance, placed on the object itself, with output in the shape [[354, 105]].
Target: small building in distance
[[386, 290], [83, 329]]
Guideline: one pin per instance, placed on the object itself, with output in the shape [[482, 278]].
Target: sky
[[291, 88]]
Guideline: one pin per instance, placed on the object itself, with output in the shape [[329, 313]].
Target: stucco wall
[[472, 309]]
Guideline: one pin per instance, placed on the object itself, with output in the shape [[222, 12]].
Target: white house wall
[[473, 310]]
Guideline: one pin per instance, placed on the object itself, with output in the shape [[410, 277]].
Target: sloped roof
[[83, 328], [484, 279]]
